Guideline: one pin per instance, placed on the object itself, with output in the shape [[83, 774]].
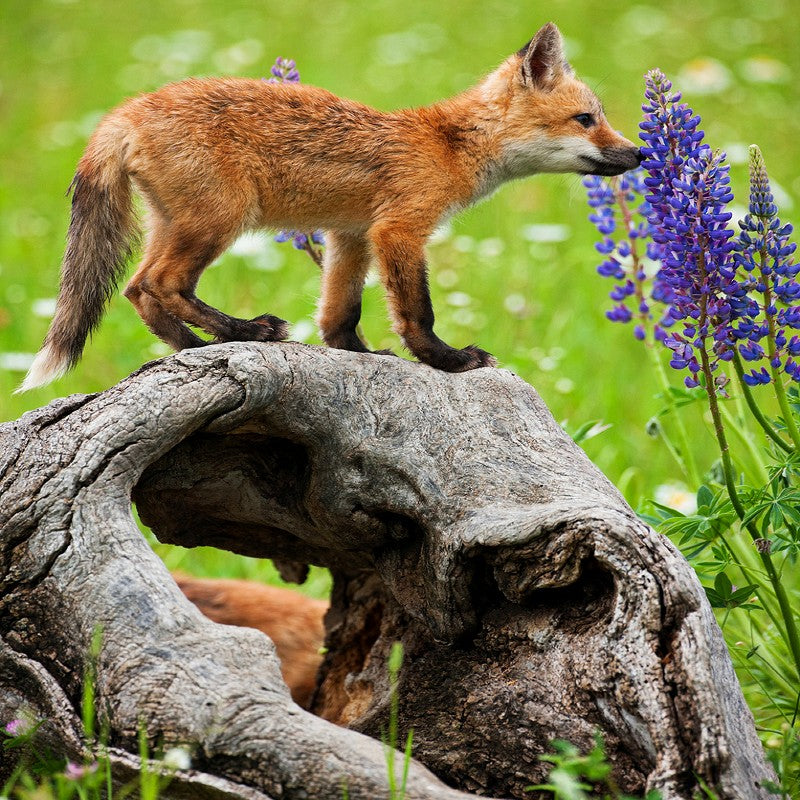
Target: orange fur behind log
[[292, 620]]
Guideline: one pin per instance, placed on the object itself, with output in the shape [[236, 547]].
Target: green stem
[[684, 456], [314, 252], [777, 380], [742, 664], [759, 467], [749, 580], [753, 406], [783, 402]]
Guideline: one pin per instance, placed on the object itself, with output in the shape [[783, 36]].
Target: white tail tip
[[47, 366]]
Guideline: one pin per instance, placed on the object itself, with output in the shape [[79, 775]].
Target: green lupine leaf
[[791, 512], [705, 497], [723, 585], [713, 598], [741, 595]]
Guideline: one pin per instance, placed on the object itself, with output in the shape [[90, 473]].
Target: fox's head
[[549, 120]]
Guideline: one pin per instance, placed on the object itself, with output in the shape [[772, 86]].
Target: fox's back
[[296, 148]]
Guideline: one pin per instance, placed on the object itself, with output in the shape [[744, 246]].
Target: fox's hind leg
[[345, 266], [166, 326], [169, 278]]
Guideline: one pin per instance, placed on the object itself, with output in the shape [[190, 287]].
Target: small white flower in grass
[[447, 278], [160, 349], [543, 232], [44, 307], [16, 362], [491, 248], [515, 303], [302, 330], [458, 299], [677, 496], [564, 385], [464, 244], [259, 251], [441, 234], [548, 363], [249, 244], [463, 316], [372, 279], [738, 153], [704, 76], [76, 772], [238, 55], [763, 69], [178, 758]]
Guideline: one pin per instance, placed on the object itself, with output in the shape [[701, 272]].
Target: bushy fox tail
[[101, 233]]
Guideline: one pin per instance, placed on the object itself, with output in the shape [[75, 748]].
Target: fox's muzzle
[[613, 161]]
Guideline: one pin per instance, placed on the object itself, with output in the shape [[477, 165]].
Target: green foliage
[[742, 538], [390, 741], [40, 774], [514, 274], [575, 776]]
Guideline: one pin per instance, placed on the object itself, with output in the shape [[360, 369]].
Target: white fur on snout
[[548, 154]]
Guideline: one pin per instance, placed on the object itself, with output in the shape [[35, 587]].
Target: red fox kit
[[293, 622], [214, 158]]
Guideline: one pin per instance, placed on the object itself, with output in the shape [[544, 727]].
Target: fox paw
[[270, 329], [471, 357]]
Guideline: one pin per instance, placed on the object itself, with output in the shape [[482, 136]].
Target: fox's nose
[[639, 156]]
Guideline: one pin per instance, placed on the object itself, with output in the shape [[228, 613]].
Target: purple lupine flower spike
[[767, 285], [620, 214], [284, 70], [724, 297]]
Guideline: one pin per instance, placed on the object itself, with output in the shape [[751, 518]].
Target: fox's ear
[[543, 59]]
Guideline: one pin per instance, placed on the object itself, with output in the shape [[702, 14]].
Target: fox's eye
[[587, 120]]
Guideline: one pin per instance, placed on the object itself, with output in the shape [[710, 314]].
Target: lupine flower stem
[[777, 379], [746, 440], [314, 252], [630, 225], [753, 406], [750, 580], [789, 628], [683, 455], [284, 70]]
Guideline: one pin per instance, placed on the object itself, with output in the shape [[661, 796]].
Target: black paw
[[269, 328], [451, 360], [345, 340]]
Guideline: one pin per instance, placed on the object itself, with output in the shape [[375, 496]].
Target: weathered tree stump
[[456, 517]]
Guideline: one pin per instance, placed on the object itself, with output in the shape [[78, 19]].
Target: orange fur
[[213, 158], [292, 620]]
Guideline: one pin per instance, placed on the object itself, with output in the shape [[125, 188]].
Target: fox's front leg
[[401, 257]]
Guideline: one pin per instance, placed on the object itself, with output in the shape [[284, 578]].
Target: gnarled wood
[[456, 517]]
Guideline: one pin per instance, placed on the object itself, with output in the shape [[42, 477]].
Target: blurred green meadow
[[515, 274]]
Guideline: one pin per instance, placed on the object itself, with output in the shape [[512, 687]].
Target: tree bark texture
[[456, 517]]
